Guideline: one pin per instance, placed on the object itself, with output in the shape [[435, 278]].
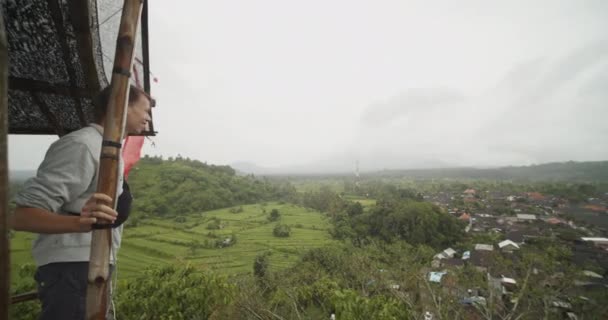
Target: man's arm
[[66, 172], [43, 221]]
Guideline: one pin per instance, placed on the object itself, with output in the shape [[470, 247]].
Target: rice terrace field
[[189, 239]]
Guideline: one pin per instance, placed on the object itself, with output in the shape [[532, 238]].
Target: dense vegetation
[[592, 171], [182, 186], [358, 249]]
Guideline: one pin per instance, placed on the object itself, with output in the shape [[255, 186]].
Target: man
[[60, 204]]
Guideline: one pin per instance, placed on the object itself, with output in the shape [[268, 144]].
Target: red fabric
[[131, 152]]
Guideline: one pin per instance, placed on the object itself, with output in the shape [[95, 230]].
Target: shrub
[[238, 209], [274, 215], [281, 230], [174, 292]]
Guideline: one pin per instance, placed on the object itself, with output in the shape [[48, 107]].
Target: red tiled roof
[[594, 207], [535, 196], [555, 221], [465, 216]]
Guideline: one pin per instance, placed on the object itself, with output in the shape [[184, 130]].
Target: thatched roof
[[61, 53]]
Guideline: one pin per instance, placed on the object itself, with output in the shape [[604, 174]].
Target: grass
[[365, 202], [161, 241], [20, 251]]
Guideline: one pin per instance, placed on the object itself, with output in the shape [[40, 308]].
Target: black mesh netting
[[47, 78]]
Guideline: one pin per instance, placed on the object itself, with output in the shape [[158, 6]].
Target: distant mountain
[[244, 168], [20, 175], [337, 164], [592, 171], [596, 171]]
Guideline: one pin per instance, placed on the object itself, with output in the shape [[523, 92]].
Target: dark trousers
[[62, 289]]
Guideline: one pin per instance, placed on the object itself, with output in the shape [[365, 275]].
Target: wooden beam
[[46, 111], [57, 15], [145, 48], [28, 296], [145, 44], [30, 85], [79, 13], [4, 229], [101, 240]]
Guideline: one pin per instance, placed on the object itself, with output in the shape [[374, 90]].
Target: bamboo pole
[[101, 242], [4, 240]]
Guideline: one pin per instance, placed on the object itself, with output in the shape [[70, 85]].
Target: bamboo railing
[[24, 297], [101, 243]]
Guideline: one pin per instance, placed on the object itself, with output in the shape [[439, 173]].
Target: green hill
[[596, 171], [180, 186]]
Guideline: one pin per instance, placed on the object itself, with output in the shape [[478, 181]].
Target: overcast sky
[[393, 84]]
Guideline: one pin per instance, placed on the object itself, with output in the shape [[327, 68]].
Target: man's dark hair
[[100, 103]]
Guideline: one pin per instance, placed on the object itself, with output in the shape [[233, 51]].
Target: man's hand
[[96, 210]]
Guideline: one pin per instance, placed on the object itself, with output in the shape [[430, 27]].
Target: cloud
[[542, 110], [558, 114], [391, 83], [410, 105]]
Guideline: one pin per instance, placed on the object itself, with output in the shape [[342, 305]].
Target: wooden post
[[101, 243], [4, 240]]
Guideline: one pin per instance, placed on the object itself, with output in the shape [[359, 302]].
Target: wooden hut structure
[[55, 56]]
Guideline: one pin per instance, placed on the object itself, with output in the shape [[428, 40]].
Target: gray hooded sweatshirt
[[65, 180]]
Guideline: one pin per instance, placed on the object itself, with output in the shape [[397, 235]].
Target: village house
[[484, 247], [484, 222], [585, 253], [446, 254], [470, 199], [521, 233], [436, 276], [482, 258], [452, 263], [523, 217], [508, 246], [535, 196], [509, 284], [466, 255], [556, 221], [469, 193], [598, 242], [596, 208]]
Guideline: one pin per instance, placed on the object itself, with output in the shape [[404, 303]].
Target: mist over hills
[[20, 175], [589, 171]]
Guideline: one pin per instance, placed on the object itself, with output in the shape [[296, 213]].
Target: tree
[[274, 215], [182, 186], [260, 265], [213, 225], [175, 292], [354, 209], [25, 283], [395, 219], [281, 230]]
